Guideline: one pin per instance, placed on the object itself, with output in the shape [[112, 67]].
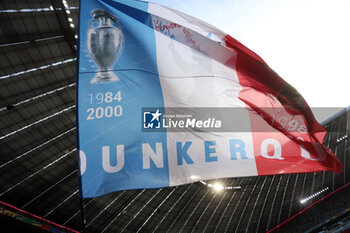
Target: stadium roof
[[38, 164]]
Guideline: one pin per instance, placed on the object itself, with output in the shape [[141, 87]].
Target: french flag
[[134, 55]]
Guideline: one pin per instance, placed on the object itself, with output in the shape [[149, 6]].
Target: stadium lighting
[[342, 138], [302, 201], [218, 187]]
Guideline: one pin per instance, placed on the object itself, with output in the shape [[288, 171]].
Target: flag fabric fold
[[136, 55]]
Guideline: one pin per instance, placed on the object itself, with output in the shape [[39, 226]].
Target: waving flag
[[165, 99]]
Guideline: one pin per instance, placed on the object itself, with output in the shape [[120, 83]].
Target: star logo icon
[[156, 115]]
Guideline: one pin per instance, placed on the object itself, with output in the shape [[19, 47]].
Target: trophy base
[[105, 76]]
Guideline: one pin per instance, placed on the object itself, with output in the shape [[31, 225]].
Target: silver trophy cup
[[105, 42]]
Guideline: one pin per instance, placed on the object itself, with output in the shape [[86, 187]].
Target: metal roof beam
[[38, 68], [64, 24], [16, 43], [45, 9], [35, 173], [40, 96], [37, 122]]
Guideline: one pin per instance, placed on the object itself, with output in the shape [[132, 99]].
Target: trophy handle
[[117, 24], [91, 21]]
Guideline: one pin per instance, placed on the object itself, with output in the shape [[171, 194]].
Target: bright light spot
[[70, 19], [51, 8], [194, 178], [313, 195], [71, 25], [218, 187], [76, 36], [68, 11]]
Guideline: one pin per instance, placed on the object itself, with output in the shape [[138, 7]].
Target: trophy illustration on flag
[[105, 42]]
